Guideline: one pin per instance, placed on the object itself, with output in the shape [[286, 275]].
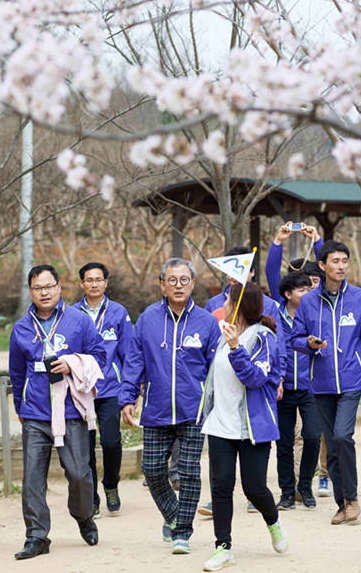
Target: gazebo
[[328, 201]]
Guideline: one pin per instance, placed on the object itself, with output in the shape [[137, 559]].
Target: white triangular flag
[[236, 266]]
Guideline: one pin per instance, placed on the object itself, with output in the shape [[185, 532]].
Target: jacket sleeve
[[17, 370], [265, 366], [273, 270], [124, 335], [282, 348], [316, 247], [299, 333], [133, 374]]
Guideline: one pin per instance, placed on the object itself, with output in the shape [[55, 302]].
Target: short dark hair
[[176, 262], [90, 266], [38, 269], [293, 280], [332, 246]]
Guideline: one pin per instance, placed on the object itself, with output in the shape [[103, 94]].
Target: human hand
[[128, 413], [230, 332], [310, 232], [60, 366], [282, 234], [316, 343]]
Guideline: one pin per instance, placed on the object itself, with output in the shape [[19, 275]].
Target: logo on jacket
[[347, 320], [264, 366], [59, 342], [192, 341], [109, 334]]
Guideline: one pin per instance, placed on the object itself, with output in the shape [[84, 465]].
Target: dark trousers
[[253, 464], [74, 459], [292, 401], [337, 414], [108, 417]]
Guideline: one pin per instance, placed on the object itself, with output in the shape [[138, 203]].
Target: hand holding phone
[[53, 376], [315, 342]]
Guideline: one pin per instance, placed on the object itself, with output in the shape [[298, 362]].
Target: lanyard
[[43, 336], [101, 314]]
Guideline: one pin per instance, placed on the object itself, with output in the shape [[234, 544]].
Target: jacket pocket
[[24, 390], [358, 357], [271, 412], [147, 394], [201, 402]]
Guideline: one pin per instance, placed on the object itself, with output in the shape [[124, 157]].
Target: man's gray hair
[[176, 262]]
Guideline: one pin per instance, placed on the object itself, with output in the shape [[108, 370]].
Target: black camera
[[53, 377]]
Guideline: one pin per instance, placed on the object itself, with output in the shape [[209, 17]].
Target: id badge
[[39, 367]]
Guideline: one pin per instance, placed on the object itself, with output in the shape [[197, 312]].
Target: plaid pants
[[158, 442]]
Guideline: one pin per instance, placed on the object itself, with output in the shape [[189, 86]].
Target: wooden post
[[5, 389]]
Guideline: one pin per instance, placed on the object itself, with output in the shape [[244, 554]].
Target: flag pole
[[240, 296]]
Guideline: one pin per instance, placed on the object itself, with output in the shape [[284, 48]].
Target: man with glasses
[[52, 331], [114, 325], [171, 349]]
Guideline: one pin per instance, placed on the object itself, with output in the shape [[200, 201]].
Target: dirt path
[[132, 543]]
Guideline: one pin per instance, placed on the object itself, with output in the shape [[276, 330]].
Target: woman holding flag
[[241, 417]]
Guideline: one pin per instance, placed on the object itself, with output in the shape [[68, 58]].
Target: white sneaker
[[221, 558], [279, 537], [181, 547], [324, 487]]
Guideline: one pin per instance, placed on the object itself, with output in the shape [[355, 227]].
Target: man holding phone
[[327, 326], [51, 329]]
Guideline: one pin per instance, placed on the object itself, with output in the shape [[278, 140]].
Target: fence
[[12, 459], [5, 390]]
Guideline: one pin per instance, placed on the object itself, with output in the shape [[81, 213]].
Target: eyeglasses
[[173, 281], [97, 281], [47, 288]]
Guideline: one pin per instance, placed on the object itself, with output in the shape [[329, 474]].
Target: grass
[[15, 489], [4, 338], [132, 436]]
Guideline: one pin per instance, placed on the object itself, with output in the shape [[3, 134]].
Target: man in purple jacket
[[114, 325], [171, 349], [51, 329], [327, 327]]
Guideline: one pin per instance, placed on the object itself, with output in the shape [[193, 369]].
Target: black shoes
[[113, 501], [308, 500], [33, 546], [88, 530], [286, 502]]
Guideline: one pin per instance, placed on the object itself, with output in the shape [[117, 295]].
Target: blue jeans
[[292, 401], [337, 414], [108, 416]]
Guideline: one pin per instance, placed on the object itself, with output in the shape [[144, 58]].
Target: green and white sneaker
[[222, 557], [167, 530], [279, 537], [181, 547]]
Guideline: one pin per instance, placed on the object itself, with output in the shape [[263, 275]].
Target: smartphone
[[295, 226], [53, 377]]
